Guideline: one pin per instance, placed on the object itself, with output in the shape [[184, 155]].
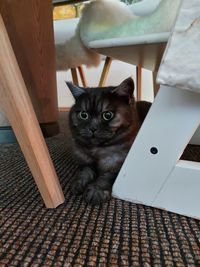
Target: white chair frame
[[153, 173]]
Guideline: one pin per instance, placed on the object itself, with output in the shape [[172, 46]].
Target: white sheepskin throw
[[100, 15], [104, 13], [98, 27], [74, 53]]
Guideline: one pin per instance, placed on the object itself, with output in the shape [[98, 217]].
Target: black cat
[[104, 123]]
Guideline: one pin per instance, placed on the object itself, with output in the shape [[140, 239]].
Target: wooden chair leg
[[18, 108], [82, 76], [74, 76], [155, 85], [139, 83], [105, 71]]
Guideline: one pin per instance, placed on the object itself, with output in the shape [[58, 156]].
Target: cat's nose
[[93, 129]]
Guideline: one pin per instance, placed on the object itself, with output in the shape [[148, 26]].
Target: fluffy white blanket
[[105, 13], [74, 53]]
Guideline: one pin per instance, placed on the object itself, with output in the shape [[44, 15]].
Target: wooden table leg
[[82, 76], [18, 108], [105, 71], [29, 25], [74, 76], [139, 82]]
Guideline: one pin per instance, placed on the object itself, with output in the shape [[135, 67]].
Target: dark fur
[[100, 147]]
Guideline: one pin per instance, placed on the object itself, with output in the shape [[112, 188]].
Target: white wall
[[118, 72]]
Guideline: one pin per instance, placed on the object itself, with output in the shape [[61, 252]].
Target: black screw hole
[[154, 150]]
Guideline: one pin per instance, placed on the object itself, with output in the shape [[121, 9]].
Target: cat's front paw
[[82, 179], [95, 195], [77, 187]]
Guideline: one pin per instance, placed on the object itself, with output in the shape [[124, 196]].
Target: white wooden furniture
[[153, 173]]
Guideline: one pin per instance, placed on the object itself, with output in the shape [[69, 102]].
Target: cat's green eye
[[107, 115], [83, 115]]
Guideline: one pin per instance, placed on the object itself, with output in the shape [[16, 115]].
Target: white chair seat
[[145, 50]]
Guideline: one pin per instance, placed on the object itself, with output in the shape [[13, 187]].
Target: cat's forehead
[[96, 100]]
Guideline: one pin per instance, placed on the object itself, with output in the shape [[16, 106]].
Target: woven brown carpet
[[118, 233]]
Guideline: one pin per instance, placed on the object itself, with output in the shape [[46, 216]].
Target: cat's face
[[100, 115]]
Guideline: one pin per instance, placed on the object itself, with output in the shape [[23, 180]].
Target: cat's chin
[[88, 142], [95, 142]]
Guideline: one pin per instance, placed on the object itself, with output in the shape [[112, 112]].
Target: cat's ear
[[75, 90], [126, 88]]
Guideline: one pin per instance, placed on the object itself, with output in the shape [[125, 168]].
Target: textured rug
[[118, 233]]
